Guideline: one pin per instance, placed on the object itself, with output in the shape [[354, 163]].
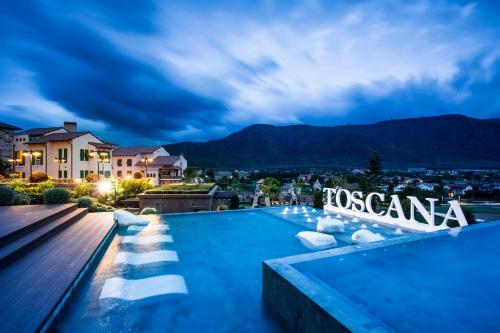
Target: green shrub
[[148, 211], [318, 199], [6, 196], [38, 176], [17, 185], [14, 175], [56, 195], [469, 216], [21, 199], [235, 202], [45, 185], [85, 202], [92, 177], [132, 187], [99, 207], [82, 190]]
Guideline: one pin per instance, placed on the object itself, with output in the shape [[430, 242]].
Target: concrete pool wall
[[307, 304]]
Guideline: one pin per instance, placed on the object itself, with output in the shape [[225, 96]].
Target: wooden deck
[[16, 219], [32, 285]]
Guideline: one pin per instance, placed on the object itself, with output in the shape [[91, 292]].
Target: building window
[[129, 162], [119, 173], [84, 173], [37, 160], [84, 154], [129, 172], [107, 174], [63, 154], [63, 174], [119, 162]]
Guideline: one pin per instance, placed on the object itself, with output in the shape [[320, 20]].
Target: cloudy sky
[[144, 72]]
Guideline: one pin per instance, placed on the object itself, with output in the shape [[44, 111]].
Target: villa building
[[61, 152], [153, 162], [6, 139]]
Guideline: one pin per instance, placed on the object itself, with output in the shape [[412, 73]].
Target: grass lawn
[[476, 209], [182, 188]]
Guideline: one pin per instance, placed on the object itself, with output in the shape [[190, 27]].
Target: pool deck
[[37, 280]]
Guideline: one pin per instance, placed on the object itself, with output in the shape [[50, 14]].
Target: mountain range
[[448, 141]]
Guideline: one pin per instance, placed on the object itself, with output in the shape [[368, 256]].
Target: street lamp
[[102, 157], [31, 153], [59, 161], [146, 160], [14, 161]]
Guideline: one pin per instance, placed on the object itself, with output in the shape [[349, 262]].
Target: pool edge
[[308, 306]]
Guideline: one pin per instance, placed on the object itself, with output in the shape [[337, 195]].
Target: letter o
[[348, 197]]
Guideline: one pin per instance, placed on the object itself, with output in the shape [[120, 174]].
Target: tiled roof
[[58, 137], [160, 161], [103, 145], [39, 131], [132, 151], [8, 126]]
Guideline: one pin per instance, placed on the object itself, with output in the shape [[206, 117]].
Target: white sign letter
[[459, 215], [357, 201], [369, 199]]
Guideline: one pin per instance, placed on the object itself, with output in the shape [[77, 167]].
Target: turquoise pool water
[[448, 283], [220, 257]]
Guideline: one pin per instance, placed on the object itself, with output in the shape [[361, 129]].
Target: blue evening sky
[[147, 72]]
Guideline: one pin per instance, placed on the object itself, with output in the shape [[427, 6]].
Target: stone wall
[[176, 203], [5, 143]]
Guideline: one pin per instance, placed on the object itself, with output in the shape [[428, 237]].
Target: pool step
[[38, 232]]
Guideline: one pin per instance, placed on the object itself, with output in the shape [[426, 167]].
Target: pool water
[[448, 283], [219, 258]]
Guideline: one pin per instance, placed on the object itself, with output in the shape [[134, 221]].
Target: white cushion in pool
[[151, 227], [366, 236], [316, 240], [330, 225], [125, 218], [132, 290], [132, 258], [147, 239]]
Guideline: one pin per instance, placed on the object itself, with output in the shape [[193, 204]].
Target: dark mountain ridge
[[440, 141]]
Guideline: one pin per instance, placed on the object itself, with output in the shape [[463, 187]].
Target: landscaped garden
[[98, 195], [183, 188]]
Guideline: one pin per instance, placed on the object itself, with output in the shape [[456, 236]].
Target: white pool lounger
[[132, 258], [151, 227], [147, 239], [132, 290]]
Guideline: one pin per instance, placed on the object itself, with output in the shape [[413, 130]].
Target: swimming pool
[[219, 266], [444, 282]]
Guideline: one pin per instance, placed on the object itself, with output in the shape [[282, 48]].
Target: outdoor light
[[104, 187]]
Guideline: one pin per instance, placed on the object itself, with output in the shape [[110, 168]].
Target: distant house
[[6, 140], [153, 162], [452, 190], [410, 180], [317, 185], [61, 152], [427, 186], [400, 187]]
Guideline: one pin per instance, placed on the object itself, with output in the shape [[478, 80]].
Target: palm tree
[[270, 188]]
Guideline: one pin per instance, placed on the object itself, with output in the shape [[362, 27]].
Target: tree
[[297, 190], [318, 199], [190, 174], [235, 202], [339, 181], [372, 178], [270, 188]]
